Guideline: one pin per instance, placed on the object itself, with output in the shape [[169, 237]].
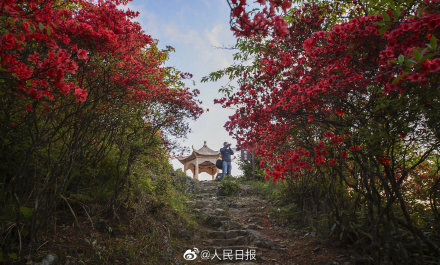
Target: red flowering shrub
[[85, 100], [49, 44], [348, 97]]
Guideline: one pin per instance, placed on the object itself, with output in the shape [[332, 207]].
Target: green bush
[[229, 186], [252, 172]]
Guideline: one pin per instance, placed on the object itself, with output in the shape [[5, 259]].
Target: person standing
[[226, 153]]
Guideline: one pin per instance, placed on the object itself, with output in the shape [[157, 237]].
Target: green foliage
[[268, 189], [229, 186], [321, 203], [26, 212], [100, 157], [251, 172]]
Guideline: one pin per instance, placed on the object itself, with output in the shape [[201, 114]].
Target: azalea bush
[[346, 93], [85, 98]]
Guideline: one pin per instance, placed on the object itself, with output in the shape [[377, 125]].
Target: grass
[[143, 233], [267, 189]]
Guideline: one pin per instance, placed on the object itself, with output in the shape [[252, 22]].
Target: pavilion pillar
[[196, 170], [214, 172]]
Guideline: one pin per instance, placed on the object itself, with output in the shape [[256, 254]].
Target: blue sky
[[195, 28]]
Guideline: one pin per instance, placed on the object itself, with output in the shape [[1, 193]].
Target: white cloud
[[218, 35], [205, 44]]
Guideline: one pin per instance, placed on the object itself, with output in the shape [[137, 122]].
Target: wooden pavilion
[[201, 160]]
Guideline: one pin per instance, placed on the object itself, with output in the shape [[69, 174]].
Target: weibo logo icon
[[190, 254]]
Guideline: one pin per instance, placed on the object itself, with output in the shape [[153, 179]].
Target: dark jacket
[[226, 153]]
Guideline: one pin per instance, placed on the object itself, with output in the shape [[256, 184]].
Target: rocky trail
[[241, 230]]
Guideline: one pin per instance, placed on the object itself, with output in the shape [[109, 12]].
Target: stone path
[[236, 227]]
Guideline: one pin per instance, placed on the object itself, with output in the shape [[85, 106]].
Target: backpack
[[219, 164]]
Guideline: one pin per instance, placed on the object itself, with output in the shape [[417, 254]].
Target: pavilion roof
[[204, 151]]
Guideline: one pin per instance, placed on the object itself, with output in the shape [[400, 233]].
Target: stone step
[[216, 218], [201, 203], [242, 239], [211, 211], [202, 187], [208, 188], [253, 227], [230, 225], [214, 221], [269, 245], [221, 198], [208, 184], [219, 249], [227, 234], [260, 237], [206, 197], [206, 194], [235, 241], [211, 191]]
